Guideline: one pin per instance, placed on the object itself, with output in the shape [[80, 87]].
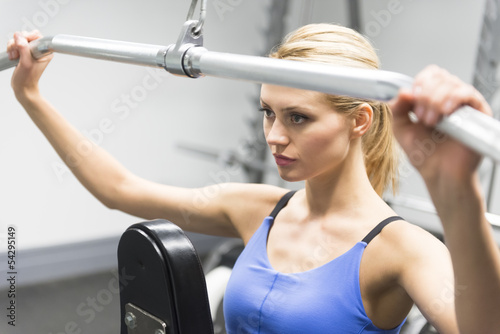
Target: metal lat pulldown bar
[[189, 58]]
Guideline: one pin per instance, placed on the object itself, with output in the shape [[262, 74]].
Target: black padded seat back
[[161, 274]]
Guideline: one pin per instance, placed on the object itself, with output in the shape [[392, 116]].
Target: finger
[[426, 85], [468, 95], [23, 48], [450, 95], [438, 102], [443, 93], [12, 50], [32, 35], [439, 95], [400, 107], [401, 104]]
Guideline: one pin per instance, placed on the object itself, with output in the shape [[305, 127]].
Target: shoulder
[[401, 229], [246, 204], [413, 240], [404, 254], [409, 247], [410, 240], [249, 196], [414, 253]]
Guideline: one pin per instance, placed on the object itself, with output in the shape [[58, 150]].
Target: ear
[[362, 121]]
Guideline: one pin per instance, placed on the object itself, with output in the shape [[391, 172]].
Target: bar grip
[[39, 48]]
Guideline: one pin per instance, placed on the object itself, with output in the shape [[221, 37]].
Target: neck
[[343, 191]]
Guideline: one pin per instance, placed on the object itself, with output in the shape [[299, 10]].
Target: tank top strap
[[282, 203], [376, 230]]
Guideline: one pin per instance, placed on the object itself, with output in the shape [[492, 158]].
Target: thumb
[[403, 127], [403, 103]]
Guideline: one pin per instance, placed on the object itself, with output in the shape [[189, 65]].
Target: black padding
[[161, 273]]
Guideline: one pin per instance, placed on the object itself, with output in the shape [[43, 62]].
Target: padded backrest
[[161, 274]]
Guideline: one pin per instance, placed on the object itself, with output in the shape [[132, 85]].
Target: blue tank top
[[326, 299]]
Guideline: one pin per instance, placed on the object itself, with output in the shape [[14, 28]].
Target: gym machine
[[162, 283]]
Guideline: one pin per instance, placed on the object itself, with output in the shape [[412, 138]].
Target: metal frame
[[188, 58]]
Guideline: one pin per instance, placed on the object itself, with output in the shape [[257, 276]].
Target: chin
[[290, 176]]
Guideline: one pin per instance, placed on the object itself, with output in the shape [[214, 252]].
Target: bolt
[[159, 331], [130, 320]]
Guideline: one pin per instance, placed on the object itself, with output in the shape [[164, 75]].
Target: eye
[[267, 112], [298, 119]]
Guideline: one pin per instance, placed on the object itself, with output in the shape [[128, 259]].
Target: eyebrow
[[287, 109]]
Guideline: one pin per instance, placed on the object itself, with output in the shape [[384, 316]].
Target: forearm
[[96, 169], [475, 255]]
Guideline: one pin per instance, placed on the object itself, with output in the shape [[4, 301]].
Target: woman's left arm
[[450, 174]]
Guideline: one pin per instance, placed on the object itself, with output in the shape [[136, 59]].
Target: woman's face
[[307, 137]]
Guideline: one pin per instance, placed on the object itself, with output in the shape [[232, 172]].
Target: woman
[[315, 261]]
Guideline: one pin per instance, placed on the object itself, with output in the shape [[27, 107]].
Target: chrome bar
[[362, 83], [472, 128], [5, 62], [118, 51]]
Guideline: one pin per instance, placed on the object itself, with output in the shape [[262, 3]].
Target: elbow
[[120, 195], [108, 200], [113, 197], [109, 203]]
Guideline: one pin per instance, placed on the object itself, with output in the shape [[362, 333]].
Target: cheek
[[327, 137], [327, 146]]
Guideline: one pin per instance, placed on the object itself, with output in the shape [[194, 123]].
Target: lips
[[282, 160]]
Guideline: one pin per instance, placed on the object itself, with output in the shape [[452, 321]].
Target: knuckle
[[432, 68], [468, 91], [473, 91]]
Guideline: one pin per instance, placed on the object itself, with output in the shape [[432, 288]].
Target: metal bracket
[[203, 13], [176, 60], [139, 321]]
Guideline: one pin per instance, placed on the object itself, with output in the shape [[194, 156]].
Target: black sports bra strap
[[376, 230], [282, 203]]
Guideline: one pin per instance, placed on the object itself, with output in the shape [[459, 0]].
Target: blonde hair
[[341, 46]]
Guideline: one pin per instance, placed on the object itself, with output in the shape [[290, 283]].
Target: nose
[[276, 134]]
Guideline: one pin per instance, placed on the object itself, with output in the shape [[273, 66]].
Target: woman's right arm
[[221, 209]]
